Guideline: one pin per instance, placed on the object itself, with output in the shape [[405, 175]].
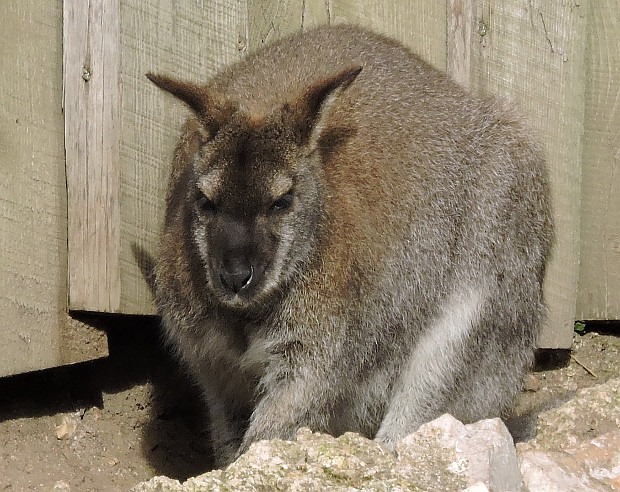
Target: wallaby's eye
[[282, 203], [204, 204]]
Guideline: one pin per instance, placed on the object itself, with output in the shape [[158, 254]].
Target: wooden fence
[[558, 61]]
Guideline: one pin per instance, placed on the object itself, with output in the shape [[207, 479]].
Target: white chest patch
[[255, 358]]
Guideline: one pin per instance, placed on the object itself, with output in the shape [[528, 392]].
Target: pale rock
[[592, 411], [477, 487], [483, 451], [68, 426], [593, 465], [426, 461], [61, 486], [444, 455], [554, 471], [558, 460]]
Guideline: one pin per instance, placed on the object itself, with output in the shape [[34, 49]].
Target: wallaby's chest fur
[[351, 242]]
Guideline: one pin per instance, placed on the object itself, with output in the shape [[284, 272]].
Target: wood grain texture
[[599, 277], [533, 54], [419, 24], [269, 20], [458, 42], [189, 39], [33, 207], [92, 130]]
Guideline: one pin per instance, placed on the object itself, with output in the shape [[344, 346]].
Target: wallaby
[[351, 243]]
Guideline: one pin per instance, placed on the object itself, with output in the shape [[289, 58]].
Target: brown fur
[[398, 279]]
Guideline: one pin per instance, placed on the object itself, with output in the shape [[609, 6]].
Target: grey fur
[[399, 278]]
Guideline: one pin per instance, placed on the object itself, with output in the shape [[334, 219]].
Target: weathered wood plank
[[599, 279], [533, 53], [269, 20], [458, 49], [92, 129], [36, 332], [190, 39], [419, 24]]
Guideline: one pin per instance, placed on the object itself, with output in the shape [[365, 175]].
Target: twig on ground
[[588, 370]]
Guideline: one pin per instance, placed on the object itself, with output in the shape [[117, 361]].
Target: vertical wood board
[[92, 132], [269, 20], [532, 53], [36, 332], [419, 24], [599, 277], [32, 191], [189, 39], [458, 50]]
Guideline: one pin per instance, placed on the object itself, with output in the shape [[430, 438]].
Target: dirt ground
[[109, 424]]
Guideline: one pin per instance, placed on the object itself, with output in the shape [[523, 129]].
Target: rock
[[480, 452], [160, 484], [601, 458], [531, 383], [61, 486], [561, 459], [592, 466], [592, 411], [443, 455], [477, 487], [577, 447], [68, 426], [553, 472]]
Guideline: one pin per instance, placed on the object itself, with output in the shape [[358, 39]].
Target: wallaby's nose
[[237, 278]]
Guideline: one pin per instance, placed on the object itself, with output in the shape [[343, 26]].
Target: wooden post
[[459, 39], [599, 280], [36, 331], [92, 133], [533, 54]]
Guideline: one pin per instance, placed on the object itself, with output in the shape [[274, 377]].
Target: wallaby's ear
[[209, 110], [311, 110]]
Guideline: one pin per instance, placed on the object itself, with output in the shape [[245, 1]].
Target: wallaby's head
[[256, 192]]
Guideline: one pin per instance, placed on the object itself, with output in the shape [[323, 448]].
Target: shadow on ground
[[173, 442]]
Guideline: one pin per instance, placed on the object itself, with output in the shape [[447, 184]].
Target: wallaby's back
[[414, 140]]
